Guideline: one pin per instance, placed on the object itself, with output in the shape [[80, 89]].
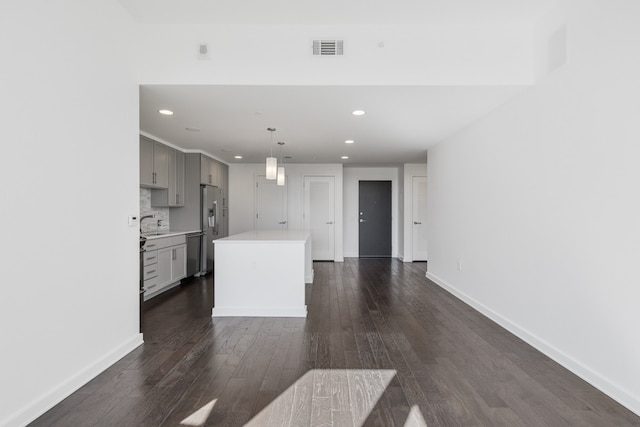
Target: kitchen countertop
[[280, 236], [157, 235]]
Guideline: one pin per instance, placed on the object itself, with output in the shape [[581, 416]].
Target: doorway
[[374, 230], [319, 211]]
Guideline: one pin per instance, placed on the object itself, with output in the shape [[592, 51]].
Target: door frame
[[352, 176], [391, 216]]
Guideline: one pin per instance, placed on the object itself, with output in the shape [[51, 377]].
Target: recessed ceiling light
[[349, 141], [166, 112], [237, 157], [358, 113], [344, 157]]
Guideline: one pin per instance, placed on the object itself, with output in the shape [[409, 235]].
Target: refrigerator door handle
[[215, 213]]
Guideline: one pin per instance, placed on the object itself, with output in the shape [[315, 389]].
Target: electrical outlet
[[132, 220]]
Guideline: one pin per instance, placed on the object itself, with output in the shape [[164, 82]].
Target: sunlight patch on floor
[[199, 418], [321, 396], [415, 418]]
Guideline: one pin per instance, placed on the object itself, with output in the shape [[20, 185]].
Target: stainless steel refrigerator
[[211, 217]]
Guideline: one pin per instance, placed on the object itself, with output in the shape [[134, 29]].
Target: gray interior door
[[375, 219]]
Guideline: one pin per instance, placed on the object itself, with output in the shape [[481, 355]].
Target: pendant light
[[272, 162], [280, 177]]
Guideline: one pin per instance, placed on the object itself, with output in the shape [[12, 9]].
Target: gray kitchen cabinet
[[179, 262], [165, 265], [210, 171], [173, 196], [154, 164], [197, 172], [179, 183], [150, 271]]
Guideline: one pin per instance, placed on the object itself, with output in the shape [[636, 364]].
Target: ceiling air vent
[[328, 47]]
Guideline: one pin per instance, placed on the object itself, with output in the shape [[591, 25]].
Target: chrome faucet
[[145, 217]]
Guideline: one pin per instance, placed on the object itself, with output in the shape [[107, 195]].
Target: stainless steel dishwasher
[[194, 242]]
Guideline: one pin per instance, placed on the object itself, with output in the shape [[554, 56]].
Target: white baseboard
[[259, 312], [617, 393], [48, 400]]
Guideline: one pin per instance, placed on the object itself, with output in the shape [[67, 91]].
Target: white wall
[[69, 169], [409, 171], [352, 176], [412, 55], [539, 201], [242, 196]]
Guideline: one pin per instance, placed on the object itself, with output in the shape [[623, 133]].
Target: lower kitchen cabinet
[[166, 265], [179, 262]]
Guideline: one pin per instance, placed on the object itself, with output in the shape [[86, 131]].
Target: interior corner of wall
[[549, 50]]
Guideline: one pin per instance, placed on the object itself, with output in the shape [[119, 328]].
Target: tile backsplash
[[162, 214]]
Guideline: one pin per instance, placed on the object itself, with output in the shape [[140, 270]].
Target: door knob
[[363, 220]]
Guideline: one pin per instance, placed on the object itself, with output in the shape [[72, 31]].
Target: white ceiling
[[314, 121], [305, 12]]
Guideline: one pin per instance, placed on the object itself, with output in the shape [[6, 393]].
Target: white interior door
[[319, 209], [419, 198], [271, 205]]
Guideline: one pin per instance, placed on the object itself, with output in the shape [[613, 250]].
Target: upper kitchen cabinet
[[174, 195], [210, 171], [154, 164]]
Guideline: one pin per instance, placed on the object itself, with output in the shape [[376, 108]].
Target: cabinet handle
[[150, 258], [151, 271], [173, 254], [177, 199], [152, 286], [329, 222], [151, 246], [416, 222]]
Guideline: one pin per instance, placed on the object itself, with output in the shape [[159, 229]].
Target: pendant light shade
[[272, 168], [272, 163], [280, 179]]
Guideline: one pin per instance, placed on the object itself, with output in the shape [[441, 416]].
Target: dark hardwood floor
[[381, 346]]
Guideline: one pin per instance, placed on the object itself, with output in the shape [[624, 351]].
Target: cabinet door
[[178, 262], [171, 192], [161, 165], [216, 173], [179, 193], [146, 162], [165, 261], [205, 170]]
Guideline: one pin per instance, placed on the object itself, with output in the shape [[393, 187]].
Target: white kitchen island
[[262, 273]]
